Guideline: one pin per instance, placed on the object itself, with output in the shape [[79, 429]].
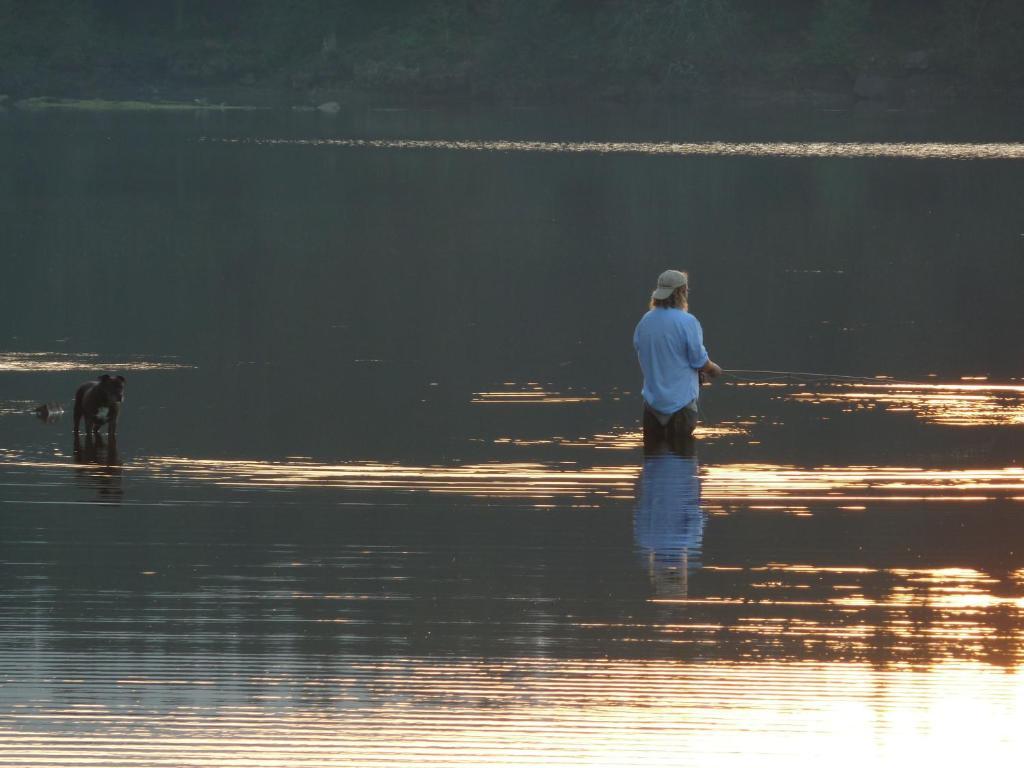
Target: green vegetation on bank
[[511, 49]]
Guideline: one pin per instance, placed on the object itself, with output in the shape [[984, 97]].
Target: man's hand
[[710, 370]]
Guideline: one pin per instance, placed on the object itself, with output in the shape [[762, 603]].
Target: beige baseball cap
[[668, 281]]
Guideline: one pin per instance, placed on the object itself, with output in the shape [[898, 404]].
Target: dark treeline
[[509, 48]]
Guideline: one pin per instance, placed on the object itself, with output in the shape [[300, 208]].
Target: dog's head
[[113, 387]]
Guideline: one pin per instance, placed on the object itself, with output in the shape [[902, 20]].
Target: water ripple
[[519, 712]]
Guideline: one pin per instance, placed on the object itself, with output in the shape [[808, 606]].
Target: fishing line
[[761, 375]]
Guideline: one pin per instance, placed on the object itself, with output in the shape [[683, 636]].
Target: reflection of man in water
[[668, 526], [669, 343]]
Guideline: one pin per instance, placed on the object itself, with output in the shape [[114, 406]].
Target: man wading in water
[[669, 343]]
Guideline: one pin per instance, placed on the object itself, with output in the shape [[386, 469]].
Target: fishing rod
[[745, 374]]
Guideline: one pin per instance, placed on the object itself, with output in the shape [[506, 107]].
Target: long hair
[[676, 300]]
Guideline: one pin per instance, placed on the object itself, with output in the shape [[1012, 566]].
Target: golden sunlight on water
[[958, 595], [526, 480], [914, 150], [622, 439], [80, 361], [958, 404], [532, 392], [510, 480], [526, 712], [543, 482], [842, 484]]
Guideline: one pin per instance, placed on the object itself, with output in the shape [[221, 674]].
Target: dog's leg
[[78, 410]]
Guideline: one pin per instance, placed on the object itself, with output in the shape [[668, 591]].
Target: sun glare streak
[[751, 484], [957, 405], [840, 484], [910, 150], [532, 393], [620, 439], [19, 362]]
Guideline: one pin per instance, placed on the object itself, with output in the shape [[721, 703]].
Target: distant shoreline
[[913, 55], [889, 93]]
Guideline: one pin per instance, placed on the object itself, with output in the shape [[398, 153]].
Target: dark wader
[[675, 430]]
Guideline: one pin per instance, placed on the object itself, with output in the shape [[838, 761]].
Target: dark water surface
[[379, 495]]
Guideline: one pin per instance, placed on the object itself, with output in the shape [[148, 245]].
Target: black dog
[[99, 402]]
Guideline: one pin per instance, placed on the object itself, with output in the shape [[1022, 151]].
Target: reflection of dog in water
[[99, 465], [99, 403]]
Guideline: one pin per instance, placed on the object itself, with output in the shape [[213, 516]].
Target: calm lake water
[[379, 496]]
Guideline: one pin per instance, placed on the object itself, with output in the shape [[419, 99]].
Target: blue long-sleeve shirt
[[670, 346]]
